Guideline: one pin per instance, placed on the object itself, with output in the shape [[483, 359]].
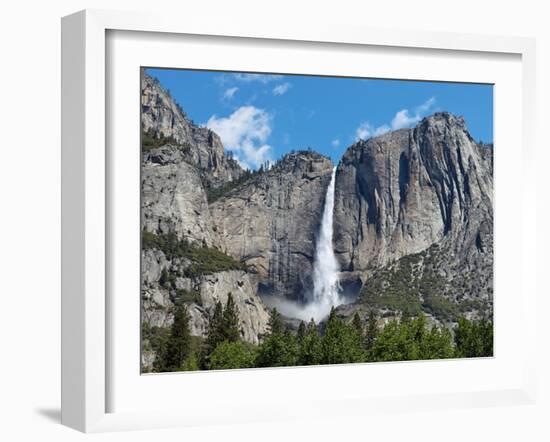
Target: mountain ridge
[[413, 221]]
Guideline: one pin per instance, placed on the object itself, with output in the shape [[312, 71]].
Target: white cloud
[[262, 78], [364, 131], [426, 106], [281, 89], [403, 118], [229, 93], [367, 130], [335, 142], [245, 132]]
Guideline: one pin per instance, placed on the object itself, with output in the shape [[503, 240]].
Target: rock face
[[252, 312], [404, 191], [162, 117], [180, 164], [272, 221], [158, 299], [399, 193], [173, 198], [413, 221]]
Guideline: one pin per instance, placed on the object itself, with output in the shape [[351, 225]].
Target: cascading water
[[326, 287]]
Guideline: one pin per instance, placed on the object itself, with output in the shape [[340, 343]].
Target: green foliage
[[232, 355], [278, 350], [439, 306], [357, 324], [342, 343], [149, 140], [178, 345], [371, 332], [154, 339], [393, 288], [437, 344], [215, 332], [191, 363], [411, 340], [413, 285], [300, 334], [167, 279], [215, 193], [275, 324], [204, 260], [474, 339], [223, 327], [310, 350], [188, 296], [230, 321]]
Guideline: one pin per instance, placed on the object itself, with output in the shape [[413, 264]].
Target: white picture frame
[[86, 205]]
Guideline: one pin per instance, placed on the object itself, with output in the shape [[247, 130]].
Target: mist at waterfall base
[[327, 292]]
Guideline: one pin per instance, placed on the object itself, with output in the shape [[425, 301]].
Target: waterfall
[[326, 287]]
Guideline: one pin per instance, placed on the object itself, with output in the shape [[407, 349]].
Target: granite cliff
[[271, 222], [163, 119], [413, 223], [425, 192]]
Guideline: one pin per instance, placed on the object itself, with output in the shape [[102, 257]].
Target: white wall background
[[30, 216]]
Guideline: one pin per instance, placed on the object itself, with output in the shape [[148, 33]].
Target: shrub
[[411, 340], [439, 306], [232, 355], [204, 260], [188, 296], [342, 343], [149, 141], [474, 339], [215, 193], [278, 350]]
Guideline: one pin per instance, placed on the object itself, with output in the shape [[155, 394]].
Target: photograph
[[304, 220]]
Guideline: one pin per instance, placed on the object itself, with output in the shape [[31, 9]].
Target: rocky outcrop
[[200, 295], [271, 222], [402, 192], [162, 117], [253, 315], [173, 199]]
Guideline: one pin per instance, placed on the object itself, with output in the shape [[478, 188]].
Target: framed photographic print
[[252, 213]]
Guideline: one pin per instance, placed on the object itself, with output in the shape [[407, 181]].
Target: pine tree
[[278, 350], [341, 343], [230, 328], [310, 346], [358, 324], [474, 339], [275, 325], [405, 316], [371, 332], [232, 355], [215, 333], [164, 278], [300, 334], [178, 347]]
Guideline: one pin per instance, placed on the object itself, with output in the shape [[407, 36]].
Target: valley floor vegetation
[[335, 341]]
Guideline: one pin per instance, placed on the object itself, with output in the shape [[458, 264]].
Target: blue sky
[[261, 116]]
